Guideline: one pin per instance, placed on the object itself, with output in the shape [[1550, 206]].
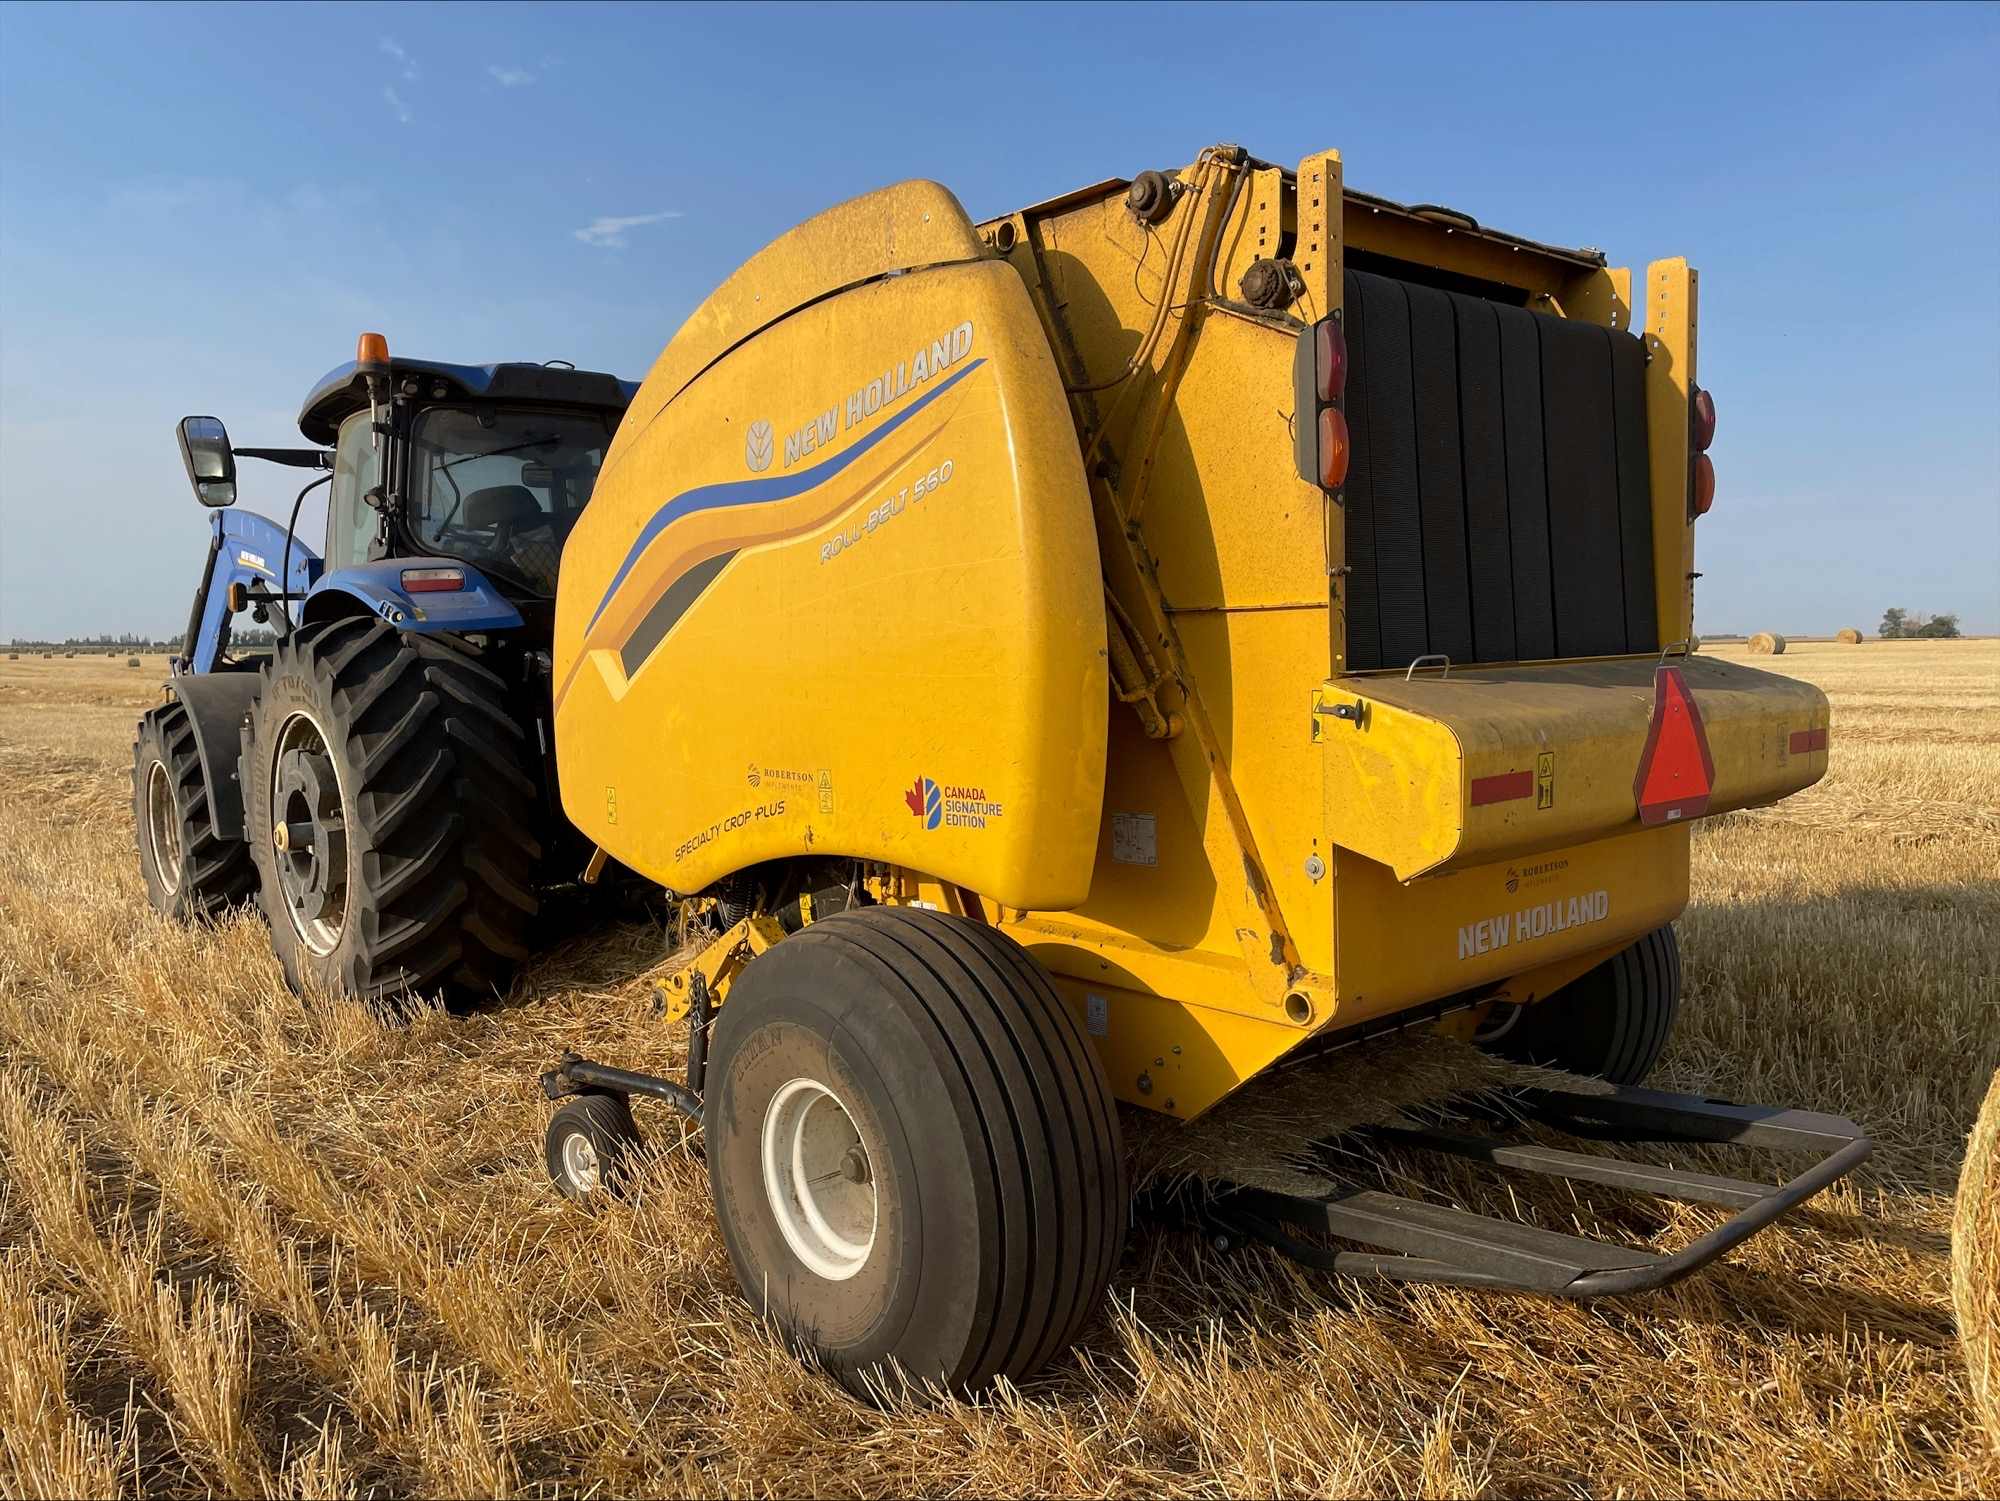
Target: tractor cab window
[[501, 487], [357, 469]]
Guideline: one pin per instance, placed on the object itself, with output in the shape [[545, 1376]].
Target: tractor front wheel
[[391, 813], [1612, 1022], [913, 1150]]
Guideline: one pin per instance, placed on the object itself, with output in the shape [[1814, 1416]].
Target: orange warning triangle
[[1676, 773]]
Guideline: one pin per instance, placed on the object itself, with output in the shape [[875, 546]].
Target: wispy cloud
[[607, 231], [509, 78], [397, 103], [407, 63]]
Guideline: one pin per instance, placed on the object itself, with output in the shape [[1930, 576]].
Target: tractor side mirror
[[211, 466]]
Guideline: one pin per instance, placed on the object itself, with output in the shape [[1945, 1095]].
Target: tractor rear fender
[[377, 589], [217, 704]]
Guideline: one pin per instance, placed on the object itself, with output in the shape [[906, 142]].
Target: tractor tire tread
[[217, 875], [443, 894]]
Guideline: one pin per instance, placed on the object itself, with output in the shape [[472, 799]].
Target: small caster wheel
[[589, 1145]]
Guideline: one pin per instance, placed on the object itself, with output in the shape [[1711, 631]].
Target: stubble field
[[252, 1246]]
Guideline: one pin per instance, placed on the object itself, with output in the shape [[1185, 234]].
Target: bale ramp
[[1767, 644], [1975, 1263]]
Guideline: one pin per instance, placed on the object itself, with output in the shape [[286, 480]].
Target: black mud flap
[[1419, 1241], [217, 704]]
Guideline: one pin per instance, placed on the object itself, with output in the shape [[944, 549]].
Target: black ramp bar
[[1440, 1244], [1579, 1167], [1674, 1117], [1514, 1254], [1731, 1232]]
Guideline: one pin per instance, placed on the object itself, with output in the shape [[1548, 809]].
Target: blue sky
[[201, 207]]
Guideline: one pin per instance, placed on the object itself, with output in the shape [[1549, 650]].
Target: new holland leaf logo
[[757, 446], [926, 801]]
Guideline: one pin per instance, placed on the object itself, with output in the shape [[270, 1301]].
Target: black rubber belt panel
[[1392, 430], [1527, 484], [1483, 450], [1635, 490], [1583, 488], [1440, 478]]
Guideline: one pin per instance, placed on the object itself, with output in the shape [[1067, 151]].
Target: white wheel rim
[[163, 823], [812, 1152], [317, 917], [580, 1164]]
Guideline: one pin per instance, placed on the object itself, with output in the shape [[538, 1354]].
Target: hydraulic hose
[[285, 572]]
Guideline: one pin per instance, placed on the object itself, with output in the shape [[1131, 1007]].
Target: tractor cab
[[489, 465], [451, 491]]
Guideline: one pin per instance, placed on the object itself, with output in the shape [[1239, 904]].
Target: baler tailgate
[[1437, 1243], [1448, 770]]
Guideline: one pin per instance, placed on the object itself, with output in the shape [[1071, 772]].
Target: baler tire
[[204, 872], [598, 1168], [1613, 1022], [988, 1137], [438, 811]]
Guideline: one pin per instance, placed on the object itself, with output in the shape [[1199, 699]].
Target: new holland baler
[[1111, 650]]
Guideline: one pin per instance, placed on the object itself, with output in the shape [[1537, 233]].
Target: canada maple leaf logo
[[926, 801]]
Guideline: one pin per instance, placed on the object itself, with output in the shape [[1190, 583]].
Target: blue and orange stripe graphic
[[658, 580]]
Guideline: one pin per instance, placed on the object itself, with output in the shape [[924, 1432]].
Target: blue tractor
[[382, 782]]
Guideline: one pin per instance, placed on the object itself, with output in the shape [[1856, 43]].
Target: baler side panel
[[843, 598], [900, 228]]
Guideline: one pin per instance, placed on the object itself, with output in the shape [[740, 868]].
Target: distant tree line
[[128, 641], [1908, 625]]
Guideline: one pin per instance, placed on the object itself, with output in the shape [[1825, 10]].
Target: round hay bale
[[1975, 1263], [1848, 636], [1767, 644], [131, 661]]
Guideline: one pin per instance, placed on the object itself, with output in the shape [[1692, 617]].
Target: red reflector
[[1704, 483], [1807, 740], [1330, 358], [1704, 420], [432, 580], [1676, 773], [1332, 448], [1505, 788]]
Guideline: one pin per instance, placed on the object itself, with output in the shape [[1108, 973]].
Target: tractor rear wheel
[[392, 813], [1612, 1022], [913, 1150], [192, 869]]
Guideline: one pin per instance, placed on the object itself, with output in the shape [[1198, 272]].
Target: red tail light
[[1704, 483], [1704, 420], [432, 580], [1320, 447], [1330, 358], [1333, 448]]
